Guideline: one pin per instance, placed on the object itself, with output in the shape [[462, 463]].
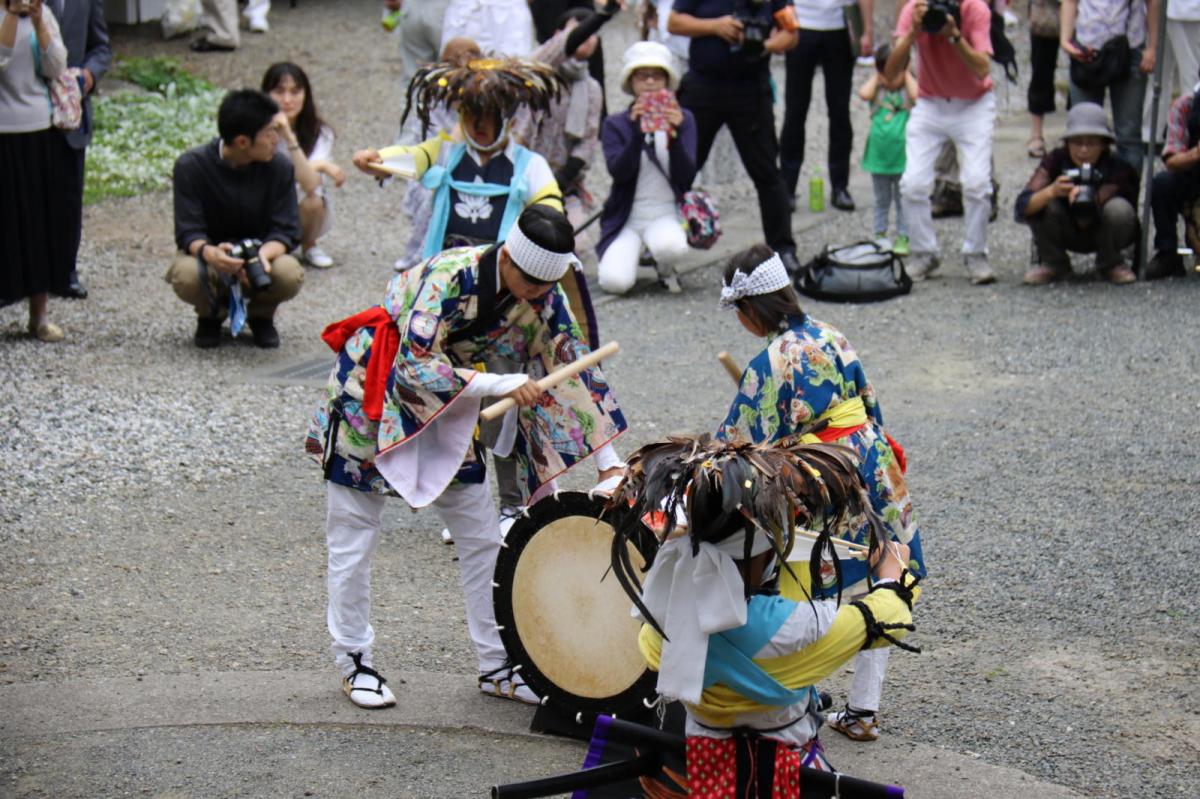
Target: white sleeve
[[538, 174], [485, 384], [323, 148], [808, 622]]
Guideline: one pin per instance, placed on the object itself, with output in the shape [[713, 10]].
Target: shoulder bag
[[861, 272]]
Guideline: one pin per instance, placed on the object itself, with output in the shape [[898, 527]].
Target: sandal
[[47, 332], [1036, 147], [857, 725], [370, 683], [504, 682]]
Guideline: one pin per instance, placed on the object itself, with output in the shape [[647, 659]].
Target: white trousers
[[1181, 55], [352, 535], [870, 666], [662, 235], [969, 124]]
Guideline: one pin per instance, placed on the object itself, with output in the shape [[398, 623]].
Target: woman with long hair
[[308, 142]]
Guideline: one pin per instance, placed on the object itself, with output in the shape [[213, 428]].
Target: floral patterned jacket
[[449, 317], [803, 372]]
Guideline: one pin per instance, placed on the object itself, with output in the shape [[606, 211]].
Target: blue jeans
[[887, 192], [1127, 97]]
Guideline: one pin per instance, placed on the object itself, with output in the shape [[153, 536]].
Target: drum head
[[564, 616]]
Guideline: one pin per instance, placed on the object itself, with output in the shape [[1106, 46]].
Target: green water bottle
[[816, 193], [391, 19]]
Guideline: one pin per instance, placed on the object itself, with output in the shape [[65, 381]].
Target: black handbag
[[862, 272], [1109, 64]]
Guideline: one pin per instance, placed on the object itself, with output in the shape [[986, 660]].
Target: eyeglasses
[[648, 74]]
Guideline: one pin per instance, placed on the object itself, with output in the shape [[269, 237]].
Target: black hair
[[549, 229], [882, 53], [771, 310], [244, 113], [308, 121]]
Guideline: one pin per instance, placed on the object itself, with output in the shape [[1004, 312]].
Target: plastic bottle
[[391, 19], [816, 193]]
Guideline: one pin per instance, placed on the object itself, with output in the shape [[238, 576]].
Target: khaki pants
[[220, 17], [184, 276]]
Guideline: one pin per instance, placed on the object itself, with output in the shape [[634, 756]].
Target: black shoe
[[265, 334], [1164, 264], [208, 333], [789, 262], [76, 290], [203, 45], [842, 200]]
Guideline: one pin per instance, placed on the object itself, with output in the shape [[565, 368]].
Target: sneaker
[[208, 333], [1164, 264], [882, 242], [317, 257], [504, 683], [922, 265], [900, 246], [790, 262], [1120, 275], [670, 283], [842, 200], [367, 687], [857, 725], [265, 334], [978, 269], [446, 537], [257, 24], [1041, 274]]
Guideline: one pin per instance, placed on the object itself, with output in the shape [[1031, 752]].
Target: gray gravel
[[156, 514]]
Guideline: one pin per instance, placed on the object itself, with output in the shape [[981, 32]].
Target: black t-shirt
[[711, 58]]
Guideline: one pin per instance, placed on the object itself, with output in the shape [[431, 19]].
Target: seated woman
[[308, 142], [1081, 198], [808, 385], [741, 658], [650, 150]]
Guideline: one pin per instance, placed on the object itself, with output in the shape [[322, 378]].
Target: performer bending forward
[[809, 378], [401, 412]]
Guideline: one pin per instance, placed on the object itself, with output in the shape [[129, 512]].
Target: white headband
[[537, 261], [693, 597], [770, 275]]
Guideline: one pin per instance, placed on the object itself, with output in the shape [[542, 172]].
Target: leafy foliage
[[139, 136]]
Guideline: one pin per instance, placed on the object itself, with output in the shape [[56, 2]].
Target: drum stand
[[548, 719]]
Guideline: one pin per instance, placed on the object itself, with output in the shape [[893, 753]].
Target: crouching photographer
[[236, 220], [1081, 198]]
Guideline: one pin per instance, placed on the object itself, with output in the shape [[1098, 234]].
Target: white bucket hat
[[648, 54]]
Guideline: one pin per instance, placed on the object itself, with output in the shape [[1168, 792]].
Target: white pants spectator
[[1181, 55], [352, 536], [660, 232], [969, 124], [256, 11]]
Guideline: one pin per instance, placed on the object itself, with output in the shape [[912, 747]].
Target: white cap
[[648, 54]]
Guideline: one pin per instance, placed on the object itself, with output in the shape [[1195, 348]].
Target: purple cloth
[[623, 144]]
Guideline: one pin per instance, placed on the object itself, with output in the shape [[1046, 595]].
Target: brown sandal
[[1036, 147]]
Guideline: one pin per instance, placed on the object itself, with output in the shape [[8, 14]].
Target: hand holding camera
[[25, 8], [255, 269], [1085, 181]]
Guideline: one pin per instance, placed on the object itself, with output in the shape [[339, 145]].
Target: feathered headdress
[[481, 85], [725, 488]]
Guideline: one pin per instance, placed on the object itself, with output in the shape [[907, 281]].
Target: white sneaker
[[318, 257], [257, 24], [446, 537], [979, 270], [921, 265], [367, 687], [504, 683], [670, 283]]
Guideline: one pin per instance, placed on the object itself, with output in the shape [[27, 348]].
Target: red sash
[[384, 347]]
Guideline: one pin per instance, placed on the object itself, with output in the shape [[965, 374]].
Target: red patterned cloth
[[384, 347], [712, 769]]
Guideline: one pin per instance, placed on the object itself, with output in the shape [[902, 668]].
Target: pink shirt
[[940, 70]]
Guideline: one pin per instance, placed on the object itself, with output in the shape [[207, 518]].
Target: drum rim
[[557, 506]]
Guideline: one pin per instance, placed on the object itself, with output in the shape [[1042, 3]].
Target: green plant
[[139, 136]]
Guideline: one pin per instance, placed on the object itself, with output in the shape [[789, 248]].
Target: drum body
[[562, 614]]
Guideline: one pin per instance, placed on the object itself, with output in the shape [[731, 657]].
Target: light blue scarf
[[439, 179]]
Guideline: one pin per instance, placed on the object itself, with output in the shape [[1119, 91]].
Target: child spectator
[[891, 101], [650, 151], [308, 143]]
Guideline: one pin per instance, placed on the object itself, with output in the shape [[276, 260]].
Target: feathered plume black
[[727, 487], [482, 85]]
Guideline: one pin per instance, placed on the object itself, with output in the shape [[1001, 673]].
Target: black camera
[[1088, 179], [247, 250], [936, 14], [756, 22]]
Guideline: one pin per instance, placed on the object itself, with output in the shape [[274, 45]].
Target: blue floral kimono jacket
[[802, 373], [449, 318]]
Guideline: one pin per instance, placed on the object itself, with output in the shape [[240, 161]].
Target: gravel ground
[[156, 513]]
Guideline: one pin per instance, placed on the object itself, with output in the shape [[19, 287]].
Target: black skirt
[[35, 255]]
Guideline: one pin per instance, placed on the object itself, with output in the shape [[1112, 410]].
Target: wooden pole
[[498, 409], [731, 367]]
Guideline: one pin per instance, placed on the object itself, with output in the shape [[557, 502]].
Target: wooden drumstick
[[730, 366], [498, 409]]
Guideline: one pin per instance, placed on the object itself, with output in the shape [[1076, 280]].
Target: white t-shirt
[[821, 15], [653, 196], [503, 27], [1183, 10]]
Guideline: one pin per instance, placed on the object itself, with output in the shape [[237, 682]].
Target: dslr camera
[[936, 14], [755, 17], [1088, 179], [247, 250]]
